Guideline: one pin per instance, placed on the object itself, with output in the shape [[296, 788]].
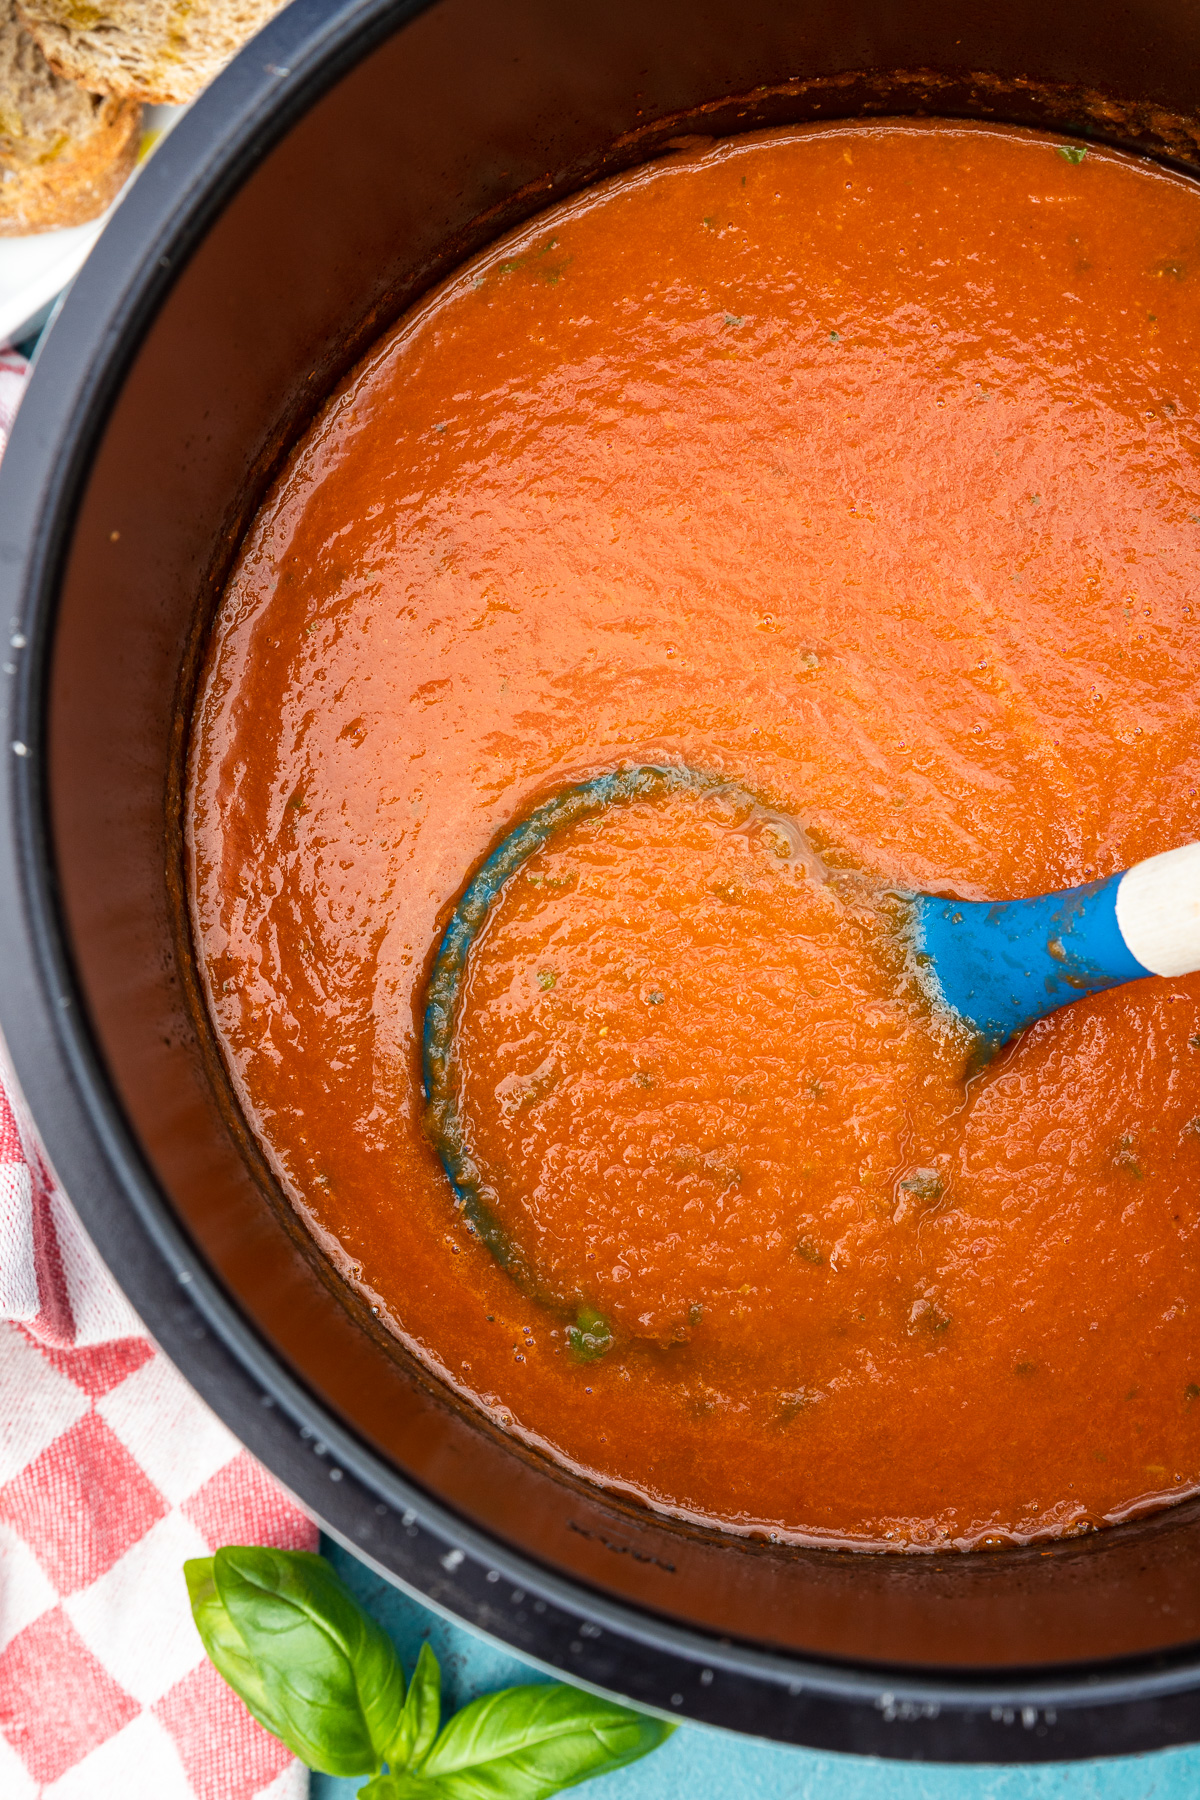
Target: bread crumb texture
[[158, 51], [64, 153]]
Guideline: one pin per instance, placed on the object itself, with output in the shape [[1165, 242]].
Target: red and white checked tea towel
[[112, 1473], [13, 370]]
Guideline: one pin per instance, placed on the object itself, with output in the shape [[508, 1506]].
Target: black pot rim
[[960, 1716]]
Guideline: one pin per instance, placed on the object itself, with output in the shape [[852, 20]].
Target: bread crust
[[64, 154], [161, 52]]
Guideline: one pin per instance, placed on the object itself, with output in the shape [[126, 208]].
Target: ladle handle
[[1001, 965], [1158, 911]]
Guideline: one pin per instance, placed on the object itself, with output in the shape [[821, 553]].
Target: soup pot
[[349, 158]]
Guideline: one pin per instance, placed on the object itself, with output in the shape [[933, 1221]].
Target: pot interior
[[469, 117]]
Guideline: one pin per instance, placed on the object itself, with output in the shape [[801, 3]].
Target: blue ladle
[[1001, 965], [998, 965]]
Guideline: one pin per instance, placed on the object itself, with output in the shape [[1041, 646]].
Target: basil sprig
[[292, 1641]]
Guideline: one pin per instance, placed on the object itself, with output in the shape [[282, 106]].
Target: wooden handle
[[1158, 911]]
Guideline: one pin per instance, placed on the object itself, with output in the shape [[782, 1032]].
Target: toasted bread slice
[[153, 50], [64, 153]]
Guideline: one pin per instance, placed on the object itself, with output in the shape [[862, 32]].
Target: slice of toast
[[160, 51], [64, 153]]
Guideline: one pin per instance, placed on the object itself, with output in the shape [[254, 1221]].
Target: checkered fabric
[[112, 1474], [13, 370]]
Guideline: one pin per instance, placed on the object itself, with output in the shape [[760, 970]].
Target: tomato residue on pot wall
[[856, 468]]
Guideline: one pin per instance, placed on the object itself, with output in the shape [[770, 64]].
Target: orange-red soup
[[857, 465]]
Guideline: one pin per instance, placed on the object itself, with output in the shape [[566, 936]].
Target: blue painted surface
[[698, 1764], [1003, 964]]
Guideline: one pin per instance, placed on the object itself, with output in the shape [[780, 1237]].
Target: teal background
[[699, 1764]]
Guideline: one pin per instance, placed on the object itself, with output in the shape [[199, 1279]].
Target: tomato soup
[[842, 482]]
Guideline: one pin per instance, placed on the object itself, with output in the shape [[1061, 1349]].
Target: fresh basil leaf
[[421, 1716], [223, 1642], [330, 1683], [529, 1742]]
